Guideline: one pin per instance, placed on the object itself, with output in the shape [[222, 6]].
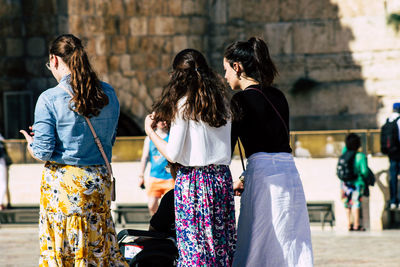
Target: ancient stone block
[[143, 7], [101, 44], [138, 108], [313, 37], [130, 8], [181, 25], [279, 37], [113, 63], [166, 61], [382, 66], [110, 25], [102, 7], [158, 78], [179, 43], [82, 7], [153, 60], [156, 44], [36, 46], [36, 26], [360, 8], [14, 47], [365, 34], [116, 8], [125, 62], [3, 48], [156, 92], [10, 8], [194, 7], [124, 26], [290, 68], [133, 44], [261, 11], [97, 25], [90, 46], [13, 67], [76, 24], [218, 11], [138, 61], [118, 44], [198, 25], [141, 76], [333, 67], [195, 42], [174, 7], [62, 22], [99, 63], [138, 26], [36, 66], [392, 6], [161, 26], [291, 10], [142, 93], [235, 9]]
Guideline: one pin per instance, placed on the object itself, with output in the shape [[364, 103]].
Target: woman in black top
[[273, 227]]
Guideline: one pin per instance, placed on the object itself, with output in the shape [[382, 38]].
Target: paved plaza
[[19, 247]]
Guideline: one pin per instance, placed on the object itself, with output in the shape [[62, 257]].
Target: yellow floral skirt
[[75, 225]]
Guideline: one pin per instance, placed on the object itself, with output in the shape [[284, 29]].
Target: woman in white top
[[195, 103]]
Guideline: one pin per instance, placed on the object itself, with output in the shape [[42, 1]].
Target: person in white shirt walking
[[196, 105]]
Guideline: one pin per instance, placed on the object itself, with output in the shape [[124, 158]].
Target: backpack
[[345, 166], [390, 137]]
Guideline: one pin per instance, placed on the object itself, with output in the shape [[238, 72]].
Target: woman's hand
[[28, 137], [148, 122], [238, 188]]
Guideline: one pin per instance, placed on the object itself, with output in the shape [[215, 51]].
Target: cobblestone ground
[[19, 247]]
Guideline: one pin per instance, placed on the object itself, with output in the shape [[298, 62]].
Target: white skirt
[[273, 228]]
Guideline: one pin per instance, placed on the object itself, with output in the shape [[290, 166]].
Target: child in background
[[160, 181]]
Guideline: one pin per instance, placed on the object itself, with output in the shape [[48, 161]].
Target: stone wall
[[133, 42], [337, 58], [26, 27], [344, 50]]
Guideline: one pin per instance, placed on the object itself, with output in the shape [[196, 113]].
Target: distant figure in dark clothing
[[164, 218]]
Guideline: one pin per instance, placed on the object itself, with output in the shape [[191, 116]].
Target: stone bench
[[321, 212], [20, 214]]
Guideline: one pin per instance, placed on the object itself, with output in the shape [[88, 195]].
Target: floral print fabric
[[75, 225], [205, 216]]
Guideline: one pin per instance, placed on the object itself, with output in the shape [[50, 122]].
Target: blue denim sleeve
[[44, 129]]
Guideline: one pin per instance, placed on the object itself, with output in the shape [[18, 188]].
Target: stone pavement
[[19, 247]]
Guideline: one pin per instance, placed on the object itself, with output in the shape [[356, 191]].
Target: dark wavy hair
[[89, 97], [207, 97], [255, 59], [353, 142]]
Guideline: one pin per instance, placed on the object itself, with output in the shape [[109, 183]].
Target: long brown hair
[[207, 98], [89, 97], [254, 56]]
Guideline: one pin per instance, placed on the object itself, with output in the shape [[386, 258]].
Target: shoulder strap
[[96, 138], [241, 155], [272, 105]]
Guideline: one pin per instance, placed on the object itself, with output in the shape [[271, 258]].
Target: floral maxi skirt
[[75, 225], [205, 216]]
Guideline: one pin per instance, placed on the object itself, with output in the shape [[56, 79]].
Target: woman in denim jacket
[[75, 226]]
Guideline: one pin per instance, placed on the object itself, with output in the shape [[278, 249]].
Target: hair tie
[[196, 69]]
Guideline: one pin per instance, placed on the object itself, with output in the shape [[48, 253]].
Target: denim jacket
[[63, 136]]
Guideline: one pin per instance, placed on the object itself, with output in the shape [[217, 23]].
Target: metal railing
[[316, 144]]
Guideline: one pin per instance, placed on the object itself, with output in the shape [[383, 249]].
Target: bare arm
[[160, 143], [144, 160]]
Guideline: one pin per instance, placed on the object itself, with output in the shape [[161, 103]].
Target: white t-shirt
[[194, 143]]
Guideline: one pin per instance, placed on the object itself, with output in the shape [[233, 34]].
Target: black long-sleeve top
[[256, 122]]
